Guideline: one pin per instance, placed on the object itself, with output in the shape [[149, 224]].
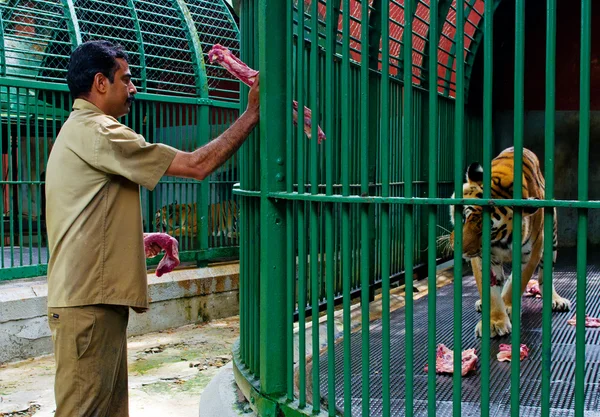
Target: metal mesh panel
[[36, 39], [169, 64], [112, 21], [215, 24]]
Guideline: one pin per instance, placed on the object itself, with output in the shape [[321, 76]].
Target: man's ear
[[475, 174], [100, 82]]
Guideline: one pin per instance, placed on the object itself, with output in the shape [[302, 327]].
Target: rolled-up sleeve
[[121, 151]]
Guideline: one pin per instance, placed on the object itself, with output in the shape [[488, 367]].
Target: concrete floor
[[168, 371]]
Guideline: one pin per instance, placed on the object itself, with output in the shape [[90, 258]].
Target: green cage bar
[[517, 290], [458, 214], [583, 195]]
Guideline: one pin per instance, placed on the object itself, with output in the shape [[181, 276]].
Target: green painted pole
[[273, 285]]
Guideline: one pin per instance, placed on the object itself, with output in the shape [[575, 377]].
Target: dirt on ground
[[168, 371]]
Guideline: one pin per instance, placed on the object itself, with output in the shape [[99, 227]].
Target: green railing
[[182, 101], [322, 223]]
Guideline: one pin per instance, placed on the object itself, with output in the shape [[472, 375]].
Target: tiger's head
[[472, 215]]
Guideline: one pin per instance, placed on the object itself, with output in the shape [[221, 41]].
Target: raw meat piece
[[444, 363], [533, 289], [233, 64], [169, 245], [589, 321], [247, 75], [505, 353]]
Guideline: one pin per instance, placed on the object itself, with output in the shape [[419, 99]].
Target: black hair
[[90, 58]]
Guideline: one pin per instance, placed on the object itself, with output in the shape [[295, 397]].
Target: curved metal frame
[[141, 49], [194, 42], [72, 23]]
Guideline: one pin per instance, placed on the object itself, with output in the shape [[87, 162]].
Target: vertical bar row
[[458, 193], [407, 138], [549, 219], [582, 195], [488, 65], [385, 209], [301, 225], [519, 114]]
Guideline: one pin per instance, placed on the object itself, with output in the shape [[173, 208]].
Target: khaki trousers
[[90, 347]]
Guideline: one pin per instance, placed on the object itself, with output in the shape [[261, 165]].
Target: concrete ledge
[[182, 297]]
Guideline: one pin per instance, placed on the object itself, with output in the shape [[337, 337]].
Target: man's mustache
[[130, 99]]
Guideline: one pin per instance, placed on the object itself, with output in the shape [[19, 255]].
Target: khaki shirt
[[93, 210]]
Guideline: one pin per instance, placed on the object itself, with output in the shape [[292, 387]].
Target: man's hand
[[253, 106]]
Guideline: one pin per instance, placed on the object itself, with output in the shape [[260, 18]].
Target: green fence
[[333, 222], [183, 101]]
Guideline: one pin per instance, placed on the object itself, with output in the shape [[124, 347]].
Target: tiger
[[532, 243], [181, 219]]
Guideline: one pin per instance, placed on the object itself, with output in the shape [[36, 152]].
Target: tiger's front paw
[[560, 304], [478, 306], [498, 327]]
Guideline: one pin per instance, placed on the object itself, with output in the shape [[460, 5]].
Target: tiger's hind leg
[[558, 303]]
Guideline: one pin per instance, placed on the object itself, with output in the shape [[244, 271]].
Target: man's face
[[119, 94]]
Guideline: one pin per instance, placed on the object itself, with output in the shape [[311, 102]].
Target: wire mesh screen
[[37, 42], [113, 20], [215, 24]]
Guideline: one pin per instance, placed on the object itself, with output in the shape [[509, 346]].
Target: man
[[97, 267]]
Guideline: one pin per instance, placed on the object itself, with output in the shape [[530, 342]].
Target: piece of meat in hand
[[444, 362], [589, 321], [247, 75], [505, 353], [171, 247]]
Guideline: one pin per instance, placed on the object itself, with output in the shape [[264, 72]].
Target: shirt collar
[[82, 104]]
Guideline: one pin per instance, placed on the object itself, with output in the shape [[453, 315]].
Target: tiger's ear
[[475, 174], [528, 211]]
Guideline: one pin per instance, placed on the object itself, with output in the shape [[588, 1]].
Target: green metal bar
[[345, 173], [332, 16], [189, 27], [10, 151], [2, 49], [289, 175], [458, 175], [407, 138], [582, 194], [72, 23], [515, 373], [273, 307], [454, 47], [301, 222], [203, 212], [548, 212], [385, 211], [30, 187], [314, 207], [355, 199], [141, 50], [488, 80], [370, 37], [409, 11], [432, 213]]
